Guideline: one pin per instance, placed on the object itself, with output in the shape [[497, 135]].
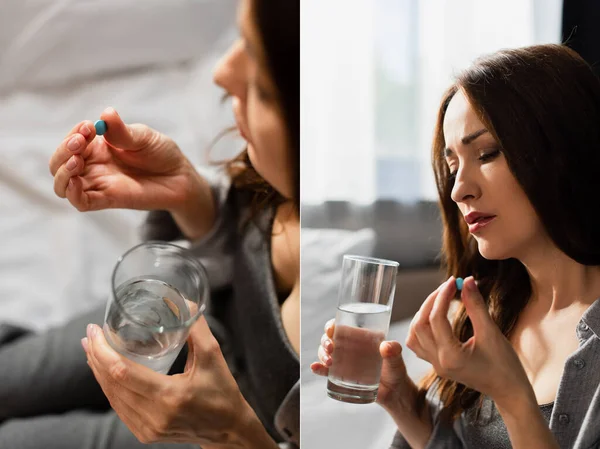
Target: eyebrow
[[466, 140]]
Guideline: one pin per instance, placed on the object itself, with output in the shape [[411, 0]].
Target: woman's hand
[[397, 393], [396, 388], [131, 167], [202, 406], [486, 362]]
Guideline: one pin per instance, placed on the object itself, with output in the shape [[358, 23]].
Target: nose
[[230, 71], [465, 186]]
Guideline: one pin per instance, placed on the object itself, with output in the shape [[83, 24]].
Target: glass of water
[[158, 292], [365, 300]]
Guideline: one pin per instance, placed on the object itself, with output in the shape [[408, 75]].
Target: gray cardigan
[[575, 415], [244, 310]]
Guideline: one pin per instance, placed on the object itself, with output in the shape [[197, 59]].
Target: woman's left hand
[[203, 405], [486, 362]]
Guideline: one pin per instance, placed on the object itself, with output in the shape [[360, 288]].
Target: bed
[[65, 61]]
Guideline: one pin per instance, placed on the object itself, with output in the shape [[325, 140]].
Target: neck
[[558, 281], [288, 213]]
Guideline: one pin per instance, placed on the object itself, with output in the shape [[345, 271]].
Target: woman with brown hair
[[516, 156], [240, 383]]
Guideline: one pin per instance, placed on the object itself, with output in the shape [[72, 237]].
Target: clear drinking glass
[[365, 301], [158, 292]]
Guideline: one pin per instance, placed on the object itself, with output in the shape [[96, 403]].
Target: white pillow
[[321, 264]]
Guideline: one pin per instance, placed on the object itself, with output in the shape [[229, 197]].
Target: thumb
[[475, 305], [125, 137], [393, 369], [204, 349], [198, 339]]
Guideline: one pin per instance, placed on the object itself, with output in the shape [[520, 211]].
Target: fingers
[[319, 369], [125, 137], [76, 142], [325, 358], [204, 346], [76, 196], [393, 369], [420, 338], [440, 325], [111, 365], [390, 349], [120, 403], [330, 327], [475, 305], [327, 344], [73, 167]]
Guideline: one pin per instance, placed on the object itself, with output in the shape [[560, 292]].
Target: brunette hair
[[278, 24], [542, 105]]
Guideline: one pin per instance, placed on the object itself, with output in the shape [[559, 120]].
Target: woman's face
[[243, 73], [495, 207]]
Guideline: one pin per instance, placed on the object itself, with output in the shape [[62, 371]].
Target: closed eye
[[490, 155], [485, 157]]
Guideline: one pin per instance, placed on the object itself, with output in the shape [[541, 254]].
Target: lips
[[241, 131], [478, 220], [239, 120]]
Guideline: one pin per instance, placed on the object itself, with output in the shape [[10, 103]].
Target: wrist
[[413, 422], [517, 406], [525, 423], [250, 432], [401, 402], [195, 212]]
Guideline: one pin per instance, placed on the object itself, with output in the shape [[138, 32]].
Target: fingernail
[[84, 343], [90, 330], [71, 164], [328, 345], [328, 360], [111, 110], [70, 185], [73, 144], [85, 130]]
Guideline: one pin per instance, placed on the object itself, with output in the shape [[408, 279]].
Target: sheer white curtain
[[373, 72], [337, 99]]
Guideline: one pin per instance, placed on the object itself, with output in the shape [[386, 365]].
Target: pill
[[459, 283], [100, 126]]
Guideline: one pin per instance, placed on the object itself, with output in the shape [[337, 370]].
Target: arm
[[196, 216], [525, 424], [423, 432], [214, 247], [414, 430], [254, 435]]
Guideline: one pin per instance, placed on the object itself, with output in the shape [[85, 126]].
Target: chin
[[492, 250], [275, 181], [255, 164]]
